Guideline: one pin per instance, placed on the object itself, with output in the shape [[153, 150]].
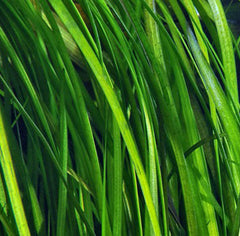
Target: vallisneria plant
[[119, 117]]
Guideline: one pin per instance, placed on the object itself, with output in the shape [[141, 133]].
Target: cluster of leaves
[[118, 118]]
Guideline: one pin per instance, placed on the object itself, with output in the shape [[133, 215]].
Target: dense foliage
[[119, 117]]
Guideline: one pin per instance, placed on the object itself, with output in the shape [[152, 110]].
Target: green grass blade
[[227, 54], [118, 181], [62, 195], [11, 181]]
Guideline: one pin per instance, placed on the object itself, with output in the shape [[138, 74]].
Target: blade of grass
[[193, 14], [118, 181], [62, 195], [226, 48], [106, 156], [11, 181]]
